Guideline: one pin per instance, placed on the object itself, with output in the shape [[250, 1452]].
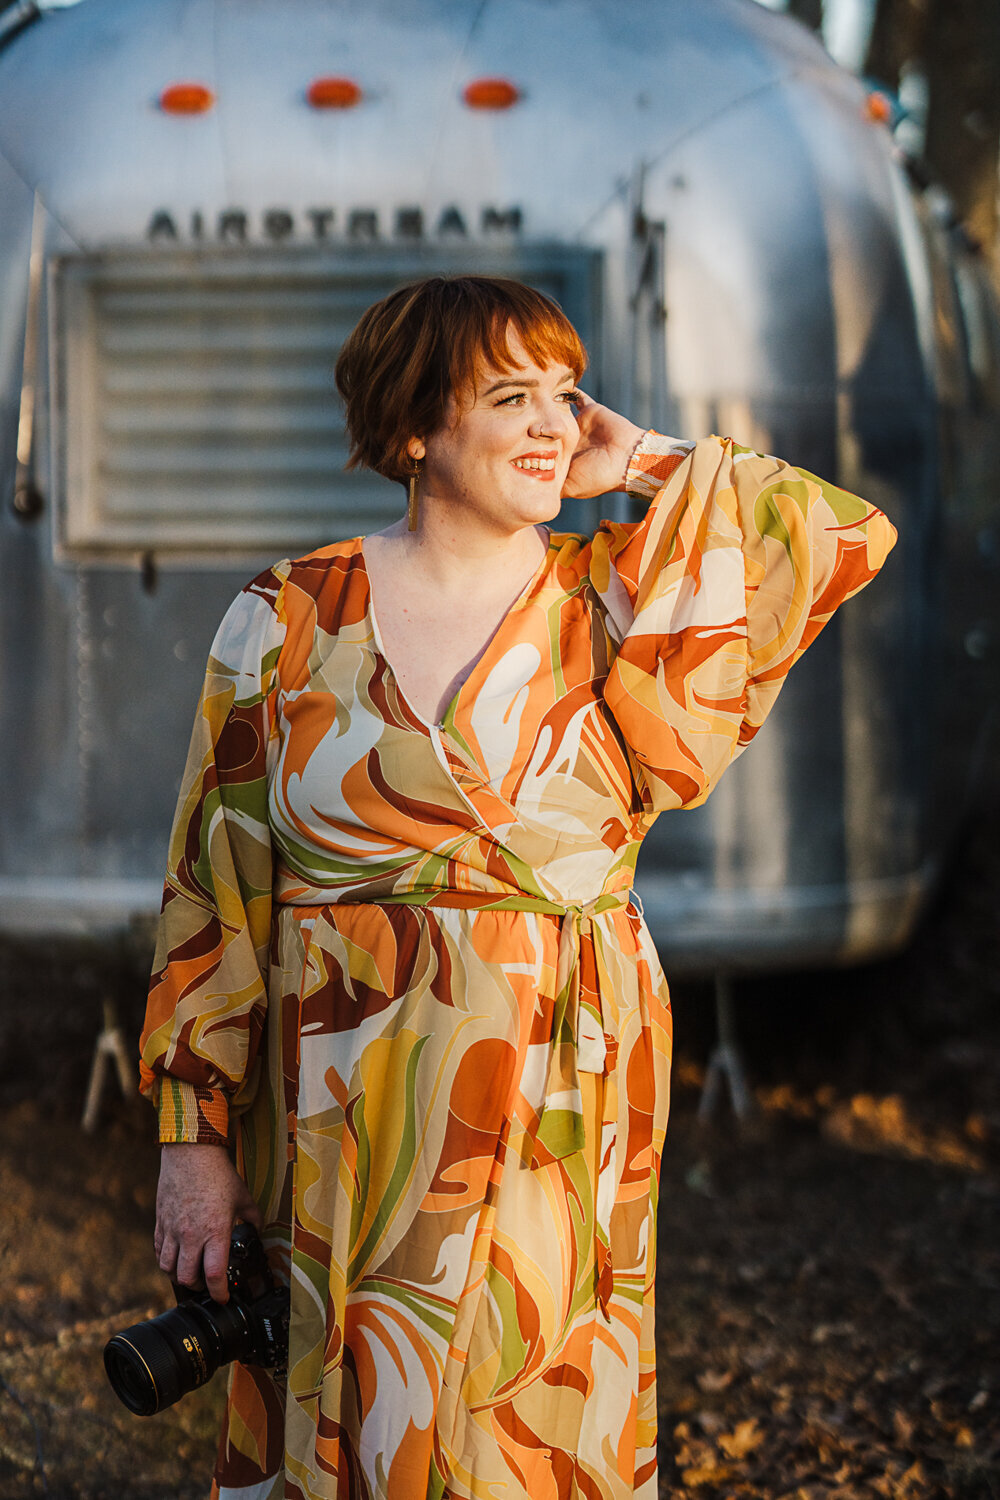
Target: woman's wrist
[[641, 433], [190, 1114]]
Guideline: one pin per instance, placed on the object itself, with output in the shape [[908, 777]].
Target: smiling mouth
[[536, 465]]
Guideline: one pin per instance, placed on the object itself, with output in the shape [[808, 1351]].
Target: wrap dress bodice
[[405, 955]]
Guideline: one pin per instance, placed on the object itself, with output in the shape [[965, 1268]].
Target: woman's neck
[[444, 554]]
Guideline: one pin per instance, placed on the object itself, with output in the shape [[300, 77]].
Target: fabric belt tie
[[581, 1032]]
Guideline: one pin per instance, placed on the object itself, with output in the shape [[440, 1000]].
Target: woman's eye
[[518, 398]]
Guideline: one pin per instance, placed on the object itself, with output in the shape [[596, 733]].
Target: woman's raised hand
[[199, 1198], [607, 442]]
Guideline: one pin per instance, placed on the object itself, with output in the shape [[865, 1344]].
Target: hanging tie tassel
[[413, 500]]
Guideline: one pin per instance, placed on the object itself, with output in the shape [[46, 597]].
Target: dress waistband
[[521, 901], [578, 1029]]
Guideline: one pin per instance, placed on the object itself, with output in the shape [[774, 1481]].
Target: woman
[[397, 940]]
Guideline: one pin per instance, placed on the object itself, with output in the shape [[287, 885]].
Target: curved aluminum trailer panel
[[700, 187]]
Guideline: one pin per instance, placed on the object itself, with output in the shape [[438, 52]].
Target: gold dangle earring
[[412, 498]]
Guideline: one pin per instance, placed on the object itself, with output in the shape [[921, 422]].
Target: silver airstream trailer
[[199, 197]]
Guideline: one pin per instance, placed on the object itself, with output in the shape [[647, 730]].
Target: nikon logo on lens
[[194, 1348], [152, 1364]]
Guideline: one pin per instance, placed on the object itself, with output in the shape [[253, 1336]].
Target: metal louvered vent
[[195, 411]]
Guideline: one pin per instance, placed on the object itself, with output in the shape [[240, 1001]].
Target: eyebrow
[[501, 384]]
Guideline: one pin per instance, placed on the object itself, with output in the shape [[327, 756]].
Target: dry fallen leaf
[[707, 1474], [912, 1480], [745, 1437], [904, 1427], [867, 1122], [694, 1453], [711, 1422]]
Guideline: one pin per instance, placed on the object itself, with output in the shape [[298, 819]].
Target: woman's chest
[[433, 636], [526, 736], [430, 653]]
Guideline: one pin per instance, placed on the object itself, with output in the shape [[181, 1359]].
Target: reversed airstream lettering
[[360, 226]]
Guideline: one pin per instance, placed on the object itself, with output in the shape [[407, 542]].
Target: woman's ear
[[416, 448]]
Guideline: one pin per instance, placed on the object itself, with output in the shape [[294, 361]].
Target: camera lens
[[151, 1365]]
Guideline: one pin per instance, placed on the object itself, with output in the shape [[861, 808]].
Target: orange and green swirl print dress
[[403, 956]]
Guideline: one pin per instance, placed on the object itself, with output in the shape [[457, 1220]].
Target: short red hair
[[425, 343]]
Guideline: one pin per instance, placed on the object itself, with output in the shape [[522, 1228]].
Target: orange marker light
[[878, 107], [186, 99], [334, 93], [491, 93]]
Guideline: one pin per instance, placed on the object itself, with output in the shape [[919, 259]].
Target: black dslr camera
[[151, 1365]]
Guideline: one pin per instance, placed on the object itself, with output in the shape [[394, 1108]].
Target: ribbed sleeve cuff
[[192, 1115], [653, 460]]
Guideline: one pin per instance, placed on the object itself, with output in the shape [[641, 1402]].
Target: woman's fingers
[[166, 1254], [215, 1259], [198, 1257], [248, 1211], [189, 1255], [199, 1198], [602, 453]]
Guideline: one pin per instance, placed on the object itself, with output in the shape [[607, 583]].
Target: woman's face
[[505, 457]]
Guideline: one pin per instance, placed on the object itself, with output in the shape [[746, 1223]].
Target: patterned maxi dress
[[404, 955]]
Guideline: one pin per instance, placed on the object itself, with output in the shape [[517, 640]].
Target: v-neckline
[[442, 724]]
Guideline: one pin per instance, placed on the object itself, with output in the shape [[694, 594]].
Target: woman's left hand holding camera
[[198, 1200]]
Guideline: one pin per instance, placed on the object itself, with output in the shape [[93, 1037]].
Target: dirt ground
[[829, 1281]]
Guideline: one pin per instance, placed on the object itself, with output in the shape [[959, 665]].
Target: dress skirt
[[464, 1322]]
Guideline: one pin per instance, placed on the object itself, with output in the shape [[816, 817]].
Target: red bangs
[[483, 341]]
